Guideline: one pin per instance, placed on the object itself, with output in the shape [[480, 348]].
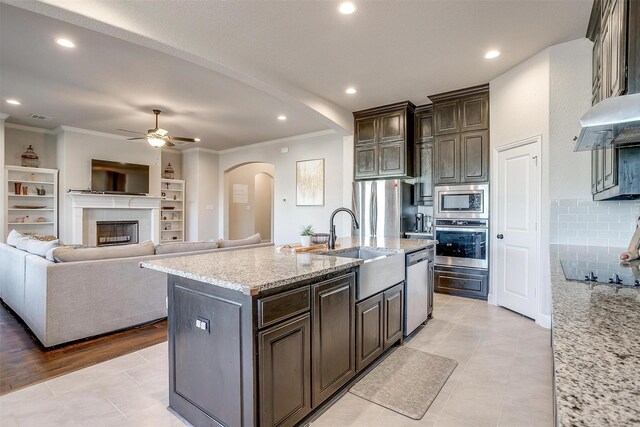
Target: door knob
[[500, 236]]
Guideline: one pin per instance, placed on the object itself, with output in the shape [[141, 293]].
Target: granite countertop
[[596, 346], [254, 270], [390, 243]]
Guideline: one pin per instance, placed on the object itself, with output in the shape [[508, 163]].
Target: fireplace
[[111, 233]]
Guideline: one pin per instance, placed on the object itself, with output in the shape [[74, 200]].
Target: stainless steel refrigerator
[[383, 208]]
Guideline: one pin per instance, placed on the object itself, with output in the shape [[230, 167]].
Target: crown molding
[[198, 150], [279, 141], [29, 128], [4, 116], [65, 128]]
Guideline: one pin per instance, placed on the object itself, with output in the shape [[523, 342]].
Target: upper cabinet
[[614, 28], [384, 146], [424, 155], [461, 136]]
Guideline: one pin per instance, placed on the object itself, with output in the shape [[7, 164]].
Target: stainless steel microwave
[[461, 201]]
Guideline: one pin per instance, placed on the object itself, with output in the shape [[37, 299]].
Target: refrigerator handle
[[374, 211]]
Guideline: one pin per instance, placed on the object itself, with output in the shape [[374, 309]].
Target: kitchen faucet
[[332, 228]]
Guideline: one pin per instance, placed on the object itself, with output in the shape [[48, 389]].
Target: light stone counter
[[391, 243], [252, 271], [596, 346]]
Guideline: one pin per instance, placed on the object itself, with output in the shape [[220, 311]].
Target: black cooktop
[[623, 274]]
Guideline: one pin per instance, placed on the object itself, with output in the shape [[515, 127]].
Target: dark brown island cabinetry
[[424, 155], [383, 142], [379, 324], [461, 136], [333, 337], [273, 358], [614, 28]]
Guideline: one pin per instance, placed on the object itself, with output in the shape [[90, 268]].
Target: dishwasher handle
[[417, 257]]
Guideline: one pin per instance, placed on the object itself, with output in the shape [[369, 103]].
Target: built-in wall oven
[[461, 201], [462, 225], [462, 242]]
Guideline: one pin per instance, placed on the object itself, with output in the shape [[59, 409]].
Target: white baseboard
[[544, 320]]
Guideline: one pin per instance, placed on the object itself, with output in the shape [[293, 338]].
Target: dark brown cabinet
[[393, 315], [464, 282], [614, 28], [461, 142], [447, 157], [379, 324], [333, 337], [474, 152], [447, 117], [369, 330], [384, 142], [285, 372], [424, 155]]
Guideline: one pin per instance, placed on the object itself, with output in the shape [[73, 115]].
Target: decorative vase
[[17, 187], [30, 159], [168, 172], [41, 191], [305, 241]]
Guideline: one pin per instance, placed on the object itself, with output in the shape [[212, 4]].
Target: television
[[117, 177]]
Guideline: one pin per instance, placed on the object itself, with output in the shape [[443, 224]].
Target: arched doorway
[[249, 201]]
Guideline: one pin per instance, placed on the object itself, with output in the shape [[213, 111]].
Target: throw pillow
[[174, 248], [69, 254], [13, 237], [40, 248], [251, 240]]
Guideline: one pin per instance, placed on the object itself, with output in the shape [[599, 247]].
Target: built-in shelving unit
[[172, 219], [31, 213]]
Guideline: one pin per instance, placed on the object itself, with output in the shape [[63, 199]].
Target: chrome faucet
[[332, 228]]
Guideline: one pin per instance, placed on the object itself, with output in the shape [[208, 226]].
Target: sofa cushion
[[23, 243], [40, 248], [173, 248], [68, 254], [13, 237], [251, 240]]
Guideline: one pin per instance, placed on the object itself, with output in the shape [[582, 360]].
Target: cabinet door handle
[[500, 236]]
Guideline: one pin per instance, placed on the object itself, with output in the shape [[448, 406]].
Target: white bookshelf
[[30, 213], [173, 218]]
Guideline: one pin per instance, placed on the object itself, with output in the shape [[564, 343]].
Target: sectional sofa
[[82, 296]]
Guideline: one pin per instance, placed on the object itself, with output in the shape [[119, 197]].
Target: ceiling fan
[[158, 137]]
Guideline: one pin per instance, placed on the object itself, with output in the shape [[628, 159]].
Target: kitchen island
[[596, 346], [265, 336]]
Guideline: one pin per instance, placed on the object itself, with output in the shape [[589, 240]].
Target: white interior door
[[516, 236]]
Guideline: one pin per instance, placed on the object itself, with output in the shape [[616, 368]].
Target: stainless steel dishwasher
[[417, 296]]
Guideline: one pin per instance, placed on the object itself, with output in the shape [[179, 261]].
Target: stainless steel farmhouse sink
[[380, 270]]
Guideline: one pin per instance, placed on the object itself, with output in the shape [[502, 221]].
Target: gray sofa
[[67, 301]]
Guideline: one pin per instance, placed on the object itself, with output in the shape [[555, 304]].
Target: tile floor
[[503, 378]]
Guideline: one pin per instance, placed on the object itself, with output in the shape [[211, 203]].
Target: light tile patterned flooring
[[503, 378]]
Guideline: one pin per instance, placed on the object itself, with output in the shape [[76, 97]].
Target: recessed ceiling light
[[347, 8], [492, 54], [65, 43], [13, 102], [197, 139], [282, 117], [351, 90]]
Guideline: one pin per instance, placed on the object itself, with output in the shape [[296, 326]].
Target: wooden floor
[[23, 360]]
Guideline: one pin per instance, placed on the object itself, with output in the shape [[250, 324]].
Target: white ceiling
[[298, 56]]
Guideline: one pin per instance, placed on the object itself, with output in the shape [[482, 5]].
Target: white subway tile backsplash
[[597, 224], [578, 209]]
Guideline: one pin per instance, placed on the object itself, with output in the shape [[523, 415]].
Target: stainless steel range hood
[[614, 122]]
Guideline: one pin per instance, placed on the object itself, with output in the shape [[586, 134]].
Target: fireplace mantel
[[148, 205]]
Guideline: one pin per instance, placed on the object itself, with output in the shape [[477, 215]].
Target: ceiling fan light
[[156, 142]]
